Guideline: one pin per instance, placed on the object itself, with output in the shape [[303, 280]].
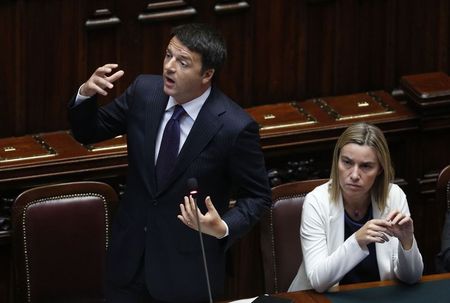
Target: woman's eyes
[[348, 163], [366, 166]]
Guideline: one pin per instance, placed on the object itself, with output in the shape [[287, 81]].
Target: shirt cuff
[[226, 230], [80, 98]]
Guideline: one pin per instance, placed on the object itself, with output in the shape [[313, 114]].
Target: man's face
[[182, 72]]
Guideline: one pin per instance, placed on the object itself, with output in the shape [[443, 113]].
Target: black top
[[367, 269]]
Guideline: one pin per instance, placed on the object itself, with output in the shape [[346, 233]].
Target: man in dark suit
[[155, 253]]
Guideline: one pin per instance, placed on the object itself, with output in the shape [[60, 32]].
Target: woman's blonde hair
[[372, 136]]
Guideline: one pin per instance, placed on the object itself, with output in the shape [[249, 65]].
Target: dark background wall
[[278, 50]]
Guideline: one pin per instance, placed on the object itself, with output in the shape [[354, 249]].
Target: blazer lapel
[[384, 258], [336, 235]]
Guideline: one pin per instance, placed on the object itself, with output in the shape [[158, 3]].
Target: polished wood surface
[[302, 122], [311, 296], [46, 157]]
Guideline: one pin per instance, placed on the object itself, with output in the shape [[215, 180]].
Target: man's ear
[[207, 75]]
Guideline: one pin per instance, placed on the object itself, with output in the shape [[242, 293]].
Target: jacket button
[[155, 202]]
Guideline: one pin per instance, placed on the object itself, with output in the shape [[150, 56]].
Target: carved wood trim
[[229, 7], [166, 10], [102, 18]]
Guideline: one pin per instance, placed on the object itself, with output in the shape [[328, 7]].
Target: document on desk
[[249, 300], [264, 299]]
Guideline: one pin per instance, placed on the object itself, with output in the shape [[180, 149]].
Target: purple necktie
[[170, 143]]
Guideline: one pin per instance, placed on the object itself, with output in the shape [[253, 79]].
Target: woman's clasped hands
[[396, 224]]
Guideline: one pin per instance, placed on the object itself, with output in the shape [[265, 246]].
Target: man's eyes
[[182, 62]]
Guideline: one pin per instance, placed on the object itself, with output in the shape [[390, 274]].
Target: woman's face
[[358, 169]]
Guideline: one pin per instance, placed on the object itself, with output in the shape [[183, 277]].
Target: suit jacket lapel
[[205, 127], [155, 107]]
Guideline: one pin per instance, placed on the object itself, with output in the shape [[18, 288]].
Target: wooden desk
[[297, 138], [33, 160], [311, 296]]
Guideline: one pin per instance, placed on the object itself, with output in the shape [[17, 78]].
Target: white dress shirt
[[192, 108]]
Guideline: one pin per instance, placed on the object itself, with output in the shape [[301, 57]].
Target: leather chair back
[[442, 260], [280, 234], [443, 187], [60, 237]]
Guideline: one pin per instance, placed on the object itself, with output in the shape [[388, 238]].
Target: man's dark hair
[[204, 40]]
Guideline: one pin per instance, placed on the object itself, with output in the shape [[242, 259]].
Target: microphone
[[192, 186]]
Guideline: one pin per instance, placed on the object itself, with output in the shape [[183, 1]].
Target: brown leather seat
[[280, 234], [60, 237]]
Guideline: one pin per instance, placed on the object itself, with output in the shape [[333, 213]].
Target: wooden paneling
[[278, 50], [11, 102], [418, 36], [50, 60], [236, 25]]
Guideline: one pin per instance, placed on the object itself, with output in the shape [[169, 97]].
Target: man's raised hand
[[100, 80]]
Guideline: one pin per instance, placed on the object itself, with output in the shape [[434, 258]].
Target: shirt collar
[[193, 107]]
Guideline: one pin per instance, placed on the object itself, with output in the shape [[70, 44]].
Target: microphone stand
[[205, 265]]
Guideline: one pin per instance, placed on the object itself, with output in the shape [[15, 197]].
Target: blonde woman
[[357, 227]]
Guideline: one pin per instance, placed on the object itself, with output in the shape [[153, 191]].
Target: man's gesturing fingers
[[99, 80]]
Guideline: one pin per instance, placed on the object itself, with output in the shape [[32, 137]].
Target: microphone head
[[192, 185]]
